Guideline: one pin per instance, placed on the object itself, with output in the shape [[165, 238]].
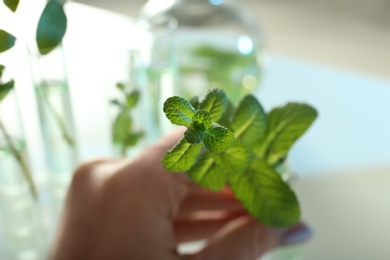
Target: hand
[[134, 209]]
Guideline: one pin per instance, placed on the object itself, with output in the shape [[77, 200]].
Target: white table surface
[[343, 162]]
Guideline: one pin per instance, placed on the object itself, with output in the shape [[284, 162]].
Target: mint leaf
[[235, 160], [179, 111], [225, 120], [6, 41], [215, 102], [202, 119], [11, 4], [51, 27], [194, 137], [194, 101], [286, 125], [6, 88], [218, 138], [2, 68], [116, 102], [207, 173], [120, 86], [181, 157], [265, 195], [132, 99], [133, 138], [249, 122], [121, 127]]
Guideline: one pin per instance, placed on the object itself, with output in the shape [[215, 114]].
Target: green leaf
[[6, 41], [194, 101], [181, 157], [194, 137], [207, 173], [179, 111], [132, 99], [51, 27], [120, 86], [116, 102], [265, 195], [226, 117], [201, 121], [235, 160], [218, 138], [6, 88], [215, 102], [11, 4], [249, 122], [133, 138], [121, 127], [2, 68], [286, 125]]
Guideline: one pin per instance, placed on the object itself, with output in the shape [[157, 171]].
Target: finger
[[145, 176], [199, 228], [246, 239], [200, 199], [92, 173], [152, 156], [168, 141]]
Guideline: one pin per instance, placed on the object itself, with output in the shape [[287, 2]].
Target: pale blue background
[[353, 127]]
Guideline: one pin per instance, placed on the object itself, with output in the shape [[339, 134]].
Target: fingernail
[[297, 234]]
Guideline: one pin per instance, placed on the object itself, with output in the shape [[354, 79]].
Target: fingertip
[[243, 238], [156, 151], [170, 139], [298, 233]]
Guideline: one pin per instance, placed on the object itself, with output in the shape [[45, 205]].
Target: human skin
[[134, 209]]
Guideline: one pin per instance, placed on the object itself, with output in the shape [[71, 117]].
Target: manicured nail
[[297, 234]]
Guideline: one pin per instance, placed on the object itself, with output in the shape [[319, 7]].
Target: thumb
[[246, 239]]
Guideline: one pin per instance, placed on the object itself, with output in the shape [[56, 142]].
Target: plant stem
[[123, 150], [58, 120], [22, 163], [52, 110]]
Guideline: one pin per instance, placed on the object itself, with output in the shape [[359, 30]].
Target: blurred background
[[352, 34], [332, 54]]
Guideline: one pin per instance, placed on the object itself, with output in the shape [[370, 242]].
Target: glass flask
[[21, 228], [57, 130], [189, 46], [55, 115]]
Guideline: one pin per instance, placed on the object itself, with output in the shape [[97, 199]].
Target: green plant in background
[[49, 34], [51, 26], [50, 31], [5, 89], [231, 71], [123, 134], [243, 153]]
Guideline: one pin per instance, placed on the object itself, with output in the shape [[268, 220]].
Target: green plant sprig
[[243, 153], [219, 66], [122, 133]]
